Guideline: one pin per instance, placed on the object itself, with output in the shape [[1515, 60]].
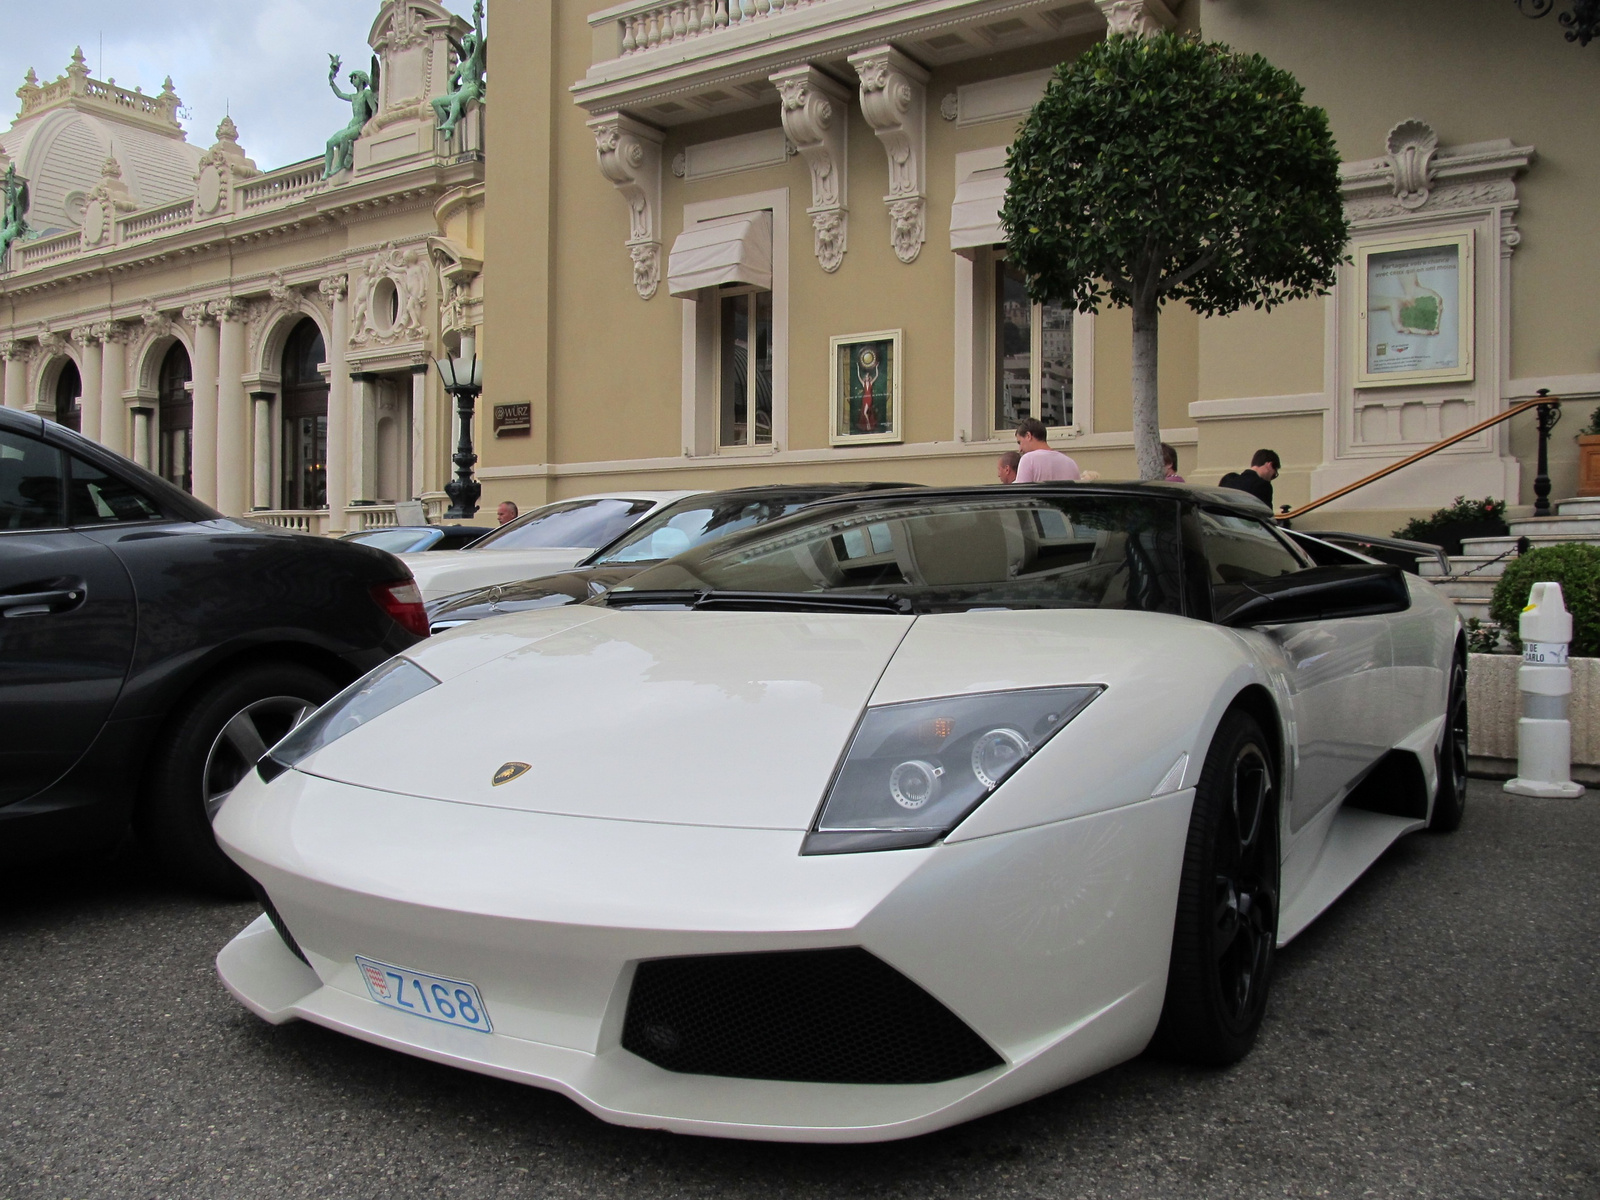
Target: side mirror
[[1316, 594]]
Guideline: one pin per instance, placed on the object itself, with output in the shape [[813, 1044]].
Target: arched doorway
[[305, 419], [177, 418], [69, 389]]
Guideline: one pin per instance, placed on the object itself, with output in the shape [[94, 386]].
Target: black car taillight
[[402, 600]]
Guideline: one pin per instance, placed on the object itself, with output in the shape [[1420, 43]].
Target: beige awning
[[975, 215], [726, 250]]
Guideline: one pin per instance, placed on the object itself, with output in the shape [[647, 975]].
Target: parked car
[[152, 649], [550, 538], [415, 539], [682, 525], [863, 822]]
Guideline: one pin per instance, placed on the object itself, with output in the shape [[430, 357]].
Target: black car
[[413, 539], [692, 521], [152, 649]]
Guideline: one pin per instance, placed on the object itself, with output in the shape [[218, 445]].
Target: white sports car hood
[[728, 719]]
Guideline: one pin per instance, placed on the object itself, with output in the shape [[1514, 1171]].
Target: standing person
[[1007, 469], [506, 512], [1169, 457], [1257, 477], [1039, 463]]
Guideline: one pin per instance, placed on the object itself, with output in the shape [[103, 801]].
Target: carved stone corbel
[[227, 309], [1136, 17], [815, 118], [196, 314], [629, 153], [894, 102]]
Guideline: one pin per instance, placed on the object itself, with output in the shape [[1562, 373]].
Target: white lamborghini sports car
[[864, 822]]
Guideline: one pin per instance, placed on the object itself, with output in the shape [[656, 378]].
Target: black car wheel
[[1450, 802], [211, 743], [1227, 919]]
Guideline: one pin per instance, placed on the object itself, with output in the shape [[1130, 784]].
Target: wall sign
[[1416, 310], [513, 420], [865, 391]]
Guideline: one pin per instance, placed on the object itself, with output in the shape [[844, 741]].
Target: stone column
[[261, 493], [141, 439], [333, 290], [16, 376], [419, 429], [363, 435], [203, 450], [233, 429], [113, 374], [90, 338]]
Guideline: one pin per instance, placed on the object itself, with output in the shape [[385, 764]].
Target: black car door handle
[[30, 604]]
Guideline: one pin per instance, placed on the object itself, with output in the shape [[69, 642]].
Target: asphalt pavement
[[1436, 1034]]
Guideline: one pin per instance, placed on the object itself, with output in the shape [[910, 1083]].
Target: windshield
[[1022, 551], [691, 522], [398, 541], [572, 523]]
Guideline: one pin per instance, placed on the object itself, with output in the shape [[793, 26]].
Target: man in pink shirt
[[1040, 464]]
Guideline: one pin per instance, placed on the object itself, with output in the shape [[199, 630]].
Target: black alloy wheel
[[1450, 801], [210, 744], [1226, 927]]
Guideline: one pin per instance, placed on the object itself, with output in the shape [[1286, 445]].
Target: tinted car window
[[96, 498], [1242, 550], [30, 484], [1025, 552], [579, 523], [689, 523]]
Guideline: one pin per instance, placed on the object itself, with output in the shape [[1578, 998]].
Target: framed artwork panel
[[865, 389], [1415, 310]]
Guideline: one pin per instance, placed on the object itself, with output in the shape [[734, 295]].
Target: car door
[[1338, 672], [67, 617]]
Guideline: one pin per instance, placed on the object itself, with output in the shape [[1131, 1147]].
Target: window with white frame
[[1031, 353], [744, 366]]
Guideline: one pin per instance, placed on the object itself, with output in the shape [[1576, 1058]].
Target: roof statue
[[363, 106], [12, 223], [466, 81]]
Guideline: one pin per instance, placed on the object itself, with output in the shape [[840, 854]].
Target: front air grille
[[277, 921], [803, 1016]]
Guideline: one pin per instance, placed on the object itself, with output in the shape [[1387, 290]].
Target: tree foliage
[[1162, 168]]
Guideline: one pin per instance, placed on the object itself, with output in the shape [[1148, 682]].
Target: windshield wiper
[[708, 599]]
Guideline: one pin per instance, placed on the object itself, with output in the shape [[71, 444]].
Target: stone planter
[[1495, 704], [1589, 464]]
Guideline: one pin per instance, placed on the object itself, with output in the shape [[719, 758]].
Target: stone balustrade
[[42, 251], [283, 186], [647, 24], [152, 221]]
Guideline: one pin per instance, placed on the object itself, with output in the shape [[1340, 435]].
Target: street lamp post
[[463, 379]]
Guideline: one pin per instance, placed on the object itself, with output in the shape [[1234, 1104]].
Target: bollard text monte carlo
[[862, 823]]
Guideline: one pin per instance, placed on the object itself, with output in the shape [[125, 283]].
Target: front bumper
[[1050, 943]]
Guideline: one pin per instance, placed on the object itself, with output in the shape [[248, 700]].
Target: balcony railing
[[646, 24]]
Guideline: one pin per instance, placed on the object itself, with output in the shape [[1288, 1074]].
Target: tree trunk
[[1146, 412]]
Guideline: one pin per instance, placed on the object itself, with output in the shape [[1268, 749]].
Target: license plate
[[448, 1001]]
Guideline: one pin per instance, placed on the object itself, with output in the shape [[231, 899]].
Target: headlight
[[914, 771], [367, 698]]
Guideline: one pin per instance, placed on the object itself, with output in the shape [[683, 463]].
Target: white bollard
[[1544, 734]]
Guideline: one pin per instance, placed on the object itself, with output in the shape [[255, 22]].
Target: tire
[[209, 745], [1226, 926], [1450, 801]]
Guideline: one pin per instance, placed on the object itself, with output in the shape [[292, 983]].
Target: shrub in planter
[[1463, 519], [1576, 568]]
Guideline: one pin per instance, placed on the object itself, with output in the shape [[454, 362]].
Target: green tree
[[1161, 168]]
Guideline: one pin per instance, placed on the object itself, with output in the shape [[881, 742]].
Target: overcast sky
[[263, 61]]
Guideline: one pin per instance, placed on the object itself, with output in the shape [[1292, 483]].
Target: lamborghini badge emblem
[[510, 771]]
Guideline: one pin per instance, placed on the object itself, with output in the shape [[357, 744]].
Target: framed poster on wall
[[1415, 310], [865, 392]]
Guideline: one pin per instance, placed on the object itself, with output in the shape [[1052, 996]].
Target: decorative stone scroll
[[1136, 17], [894, 102], [1412, 145], [815, 118], [629, 153]]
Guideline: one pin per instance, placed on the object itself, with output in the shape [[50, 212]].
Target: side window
[[1241, 550], [31, 477], [96, 498]]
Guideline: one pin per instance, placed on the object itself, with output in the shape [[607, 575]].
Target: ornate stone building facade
[[263, 339], [741, 189]]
